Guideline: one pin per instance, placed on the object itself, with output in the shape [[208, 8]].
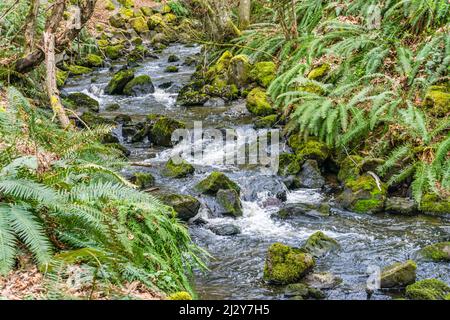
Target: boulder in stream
[[143, 180], [310, 176], [119, 81], [217, 181], [428, 289], [319, 244], [285, 265], [438, 252], [162, 129], [399, 275], [322, 280], [301, 291], [292, 210], [398, 205], [227, 229], [81, 101], [139, 86], [230, 203], [186, 207], [178, 169]]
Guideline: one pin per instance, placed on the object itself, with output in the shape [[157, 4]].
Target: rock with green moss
[[171, 69], [266, 122], [428, 289], [81, 101], [239, 70], [301, 291], [127, 13], [264, 73], [258, 103], [230, 203], [92, 61], [319, 244], [117, 20], [310, 176], [431, 204], [437, 100], [438, 252], [112, 107], [92, 119], [310, 149], [61, 77], [286, 265], [216, 181], [143, 180], [221, 66], [126, 3], [117, 84], [178, 169], [140, 85], [120, 148], [350, 168], [398, 275], [181, 295], [288, 164], [146, 11], [173, 58], [222, 90], [114, 52], [155, 21], [185, 206], [78, 70], [109, 5], [402, 206], [161, 132], [170, 18], [319, 73], [139, 25]]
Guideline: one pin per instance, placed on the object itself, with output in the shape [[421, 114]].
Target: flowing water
[[235, 272]]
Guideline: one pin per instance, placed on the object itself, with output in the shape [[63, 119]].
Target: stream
[[235, 272]]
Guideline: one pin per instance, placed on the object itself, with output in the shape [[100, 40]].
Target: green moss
[[139, 25], [102, 43], [368, 205], [266, 122], [399, 275], [170, 18], [78, 70], [182, 295], [173, 58], [215, 182], [264, 73], [127, 13], [161, 132], [436, 252], [432, 204], [288, 164], [155, 21], [312, 88], [310, 149], [363, 195], [178, 170], [117, 20], [428, 289], [93, 61], [79, 100], [258, 103], [126, 3], [239, 70], [286, 265], [319, 73], [119, 81], [437, 99], [230, 202], [61, 77], [350, 168], [171, 69], [223, 63], [146, 11], [318, 244], [109, 5], [114, 52], [137, 82], [143, 180]]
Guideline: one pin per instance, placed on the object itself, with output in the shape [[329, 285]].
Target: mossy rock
[[146, 11], [139, 25], [217, 181], [93, 61], [428, 289], [319, 244], [117, 20], [310, 149], [161, 132], [117, 84], [222, 64], [120, 148], [61, 77], [350, 168], [264, 73], [171, 69], [266, 122], [155, 21], [112, 107], [173, 58], [170, 18], [285, 265], [363, 195], [127, 13], [230, 202], [143, 180], [182, 169], [137, 41], [78, 70], [126, 3], [301, 291], [437, 100], [258, 103], [319, 73], [438, 252], [185, 206], [312, 88], [81, 101], [92, 119], [109, 5], [102, 43], [139, 85], [239, 70], [288, 164], [181, 295], [399, 275], [114, 52], [433, 205]]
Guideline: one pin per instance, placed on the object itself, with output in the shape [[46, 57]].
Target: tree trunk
[[30, 25], [244, 14], [55, 102]]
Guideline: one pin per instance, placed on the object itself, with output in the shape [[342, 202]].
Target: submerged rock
[[438, 252], [229, 202], [399, 275], [428, 289], [178, 170], [319, 244], [303, 209], [322, 280], [214, 103], [81, 101], [397, 205], [140, 85], [285, 265], [265, 186], [225, 229], [187, 207], [117, 84], [301, 291], [217, 181], [310, 176]]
